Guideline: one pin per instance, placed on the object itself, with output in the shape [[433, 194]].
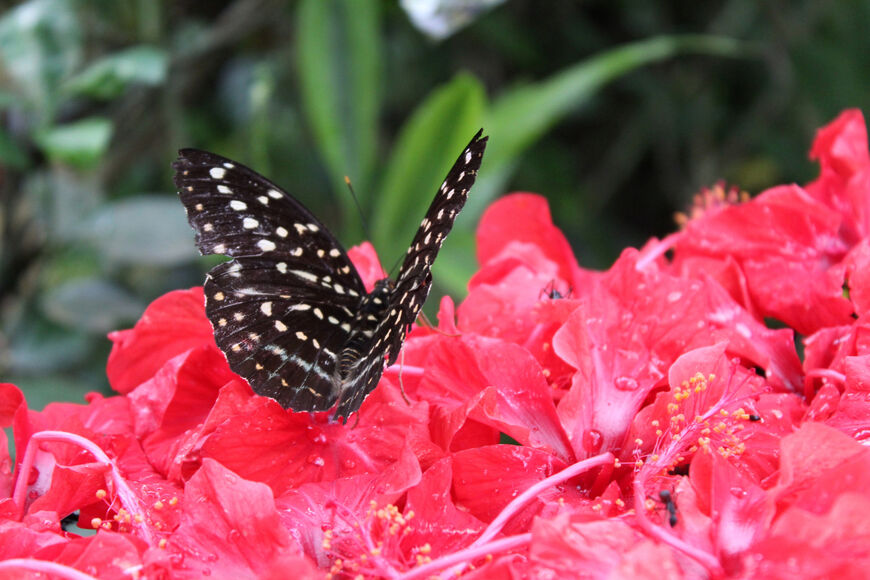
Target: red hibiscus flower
[[641, 422]]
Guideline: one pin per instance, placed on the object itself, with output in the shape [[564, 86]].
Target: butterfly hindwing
[[282, 308]]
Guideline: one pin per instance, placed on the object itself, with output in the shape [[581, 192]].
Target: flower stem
[[40, 567], [521, 500], [467, 555]]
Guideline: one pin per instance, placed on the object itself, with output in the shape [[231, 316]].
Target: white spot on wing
[[217, 172], [224, 189], [238, 205], [274, 194], [266, 308], [305, 275], [282, 232], [266, 245], [250, 223]]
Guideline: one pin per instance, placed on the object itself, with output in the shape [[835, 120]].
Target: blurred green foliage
[[616, 111]]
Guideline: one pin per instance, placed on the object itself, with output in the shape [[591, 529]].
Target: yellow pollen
[[96, 522], [101, 494]]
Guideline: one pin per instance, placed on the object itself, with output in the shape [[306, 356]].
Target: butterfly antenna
[[362, 218]]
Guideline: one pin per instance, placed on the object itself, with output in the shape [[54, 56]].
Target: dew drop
[[625, 383], [315, 459], [738, 492], [592, 441]]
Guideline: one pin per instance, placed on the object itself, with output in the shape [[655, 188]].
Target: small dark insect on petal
[[668, 500]]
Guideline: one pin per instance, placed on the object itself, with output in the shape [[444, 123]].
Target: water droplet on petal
[[738, 492], [592, 440], [625, 383]]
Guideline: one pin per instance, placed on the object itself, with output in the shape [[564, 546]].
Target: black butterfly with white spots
[[289, 309]]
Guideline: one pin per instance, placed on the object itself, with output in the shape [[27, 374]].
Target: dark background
[[608, 109]]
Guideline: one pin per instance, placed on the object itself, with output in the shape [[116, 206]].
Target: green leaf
[[427, 146], [110, 76], [91, 304], [41, 347], [521, 116], [80, 143], [11, 154], [40, 44], [145, 229], [338, 61]]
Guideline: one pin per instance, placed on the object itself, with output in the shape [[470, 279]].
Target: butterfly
[[289, 310]]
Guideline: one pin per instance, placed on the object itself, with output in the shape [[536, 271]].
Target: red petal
[[437, 521], [230, 528], [497, 384], [486, 479], [284, 449], [367, 264], [597, 549], [169, 326], [524, 217]]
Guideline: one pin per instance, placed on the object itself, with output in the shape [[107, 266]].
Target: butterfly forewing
[[282, 308], [414, 280], [289, 310], [411, 288]]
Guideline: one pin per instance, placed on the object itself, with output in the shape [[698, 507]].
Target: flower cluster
[[699, 410]]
